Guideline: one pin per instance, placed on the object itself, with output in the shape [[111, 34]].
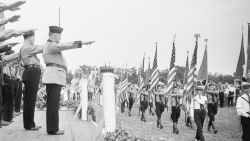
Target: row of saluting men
[[54, 77]]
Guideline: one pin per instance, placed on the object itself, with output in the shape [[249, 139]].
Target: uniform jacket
[[52, 53]]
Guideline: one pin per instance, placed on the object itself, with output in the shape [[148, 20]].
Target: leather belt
[[32, 66], [56, 65]]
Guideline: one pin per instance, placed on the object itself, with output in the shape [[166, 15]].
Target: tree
[[69, 77]]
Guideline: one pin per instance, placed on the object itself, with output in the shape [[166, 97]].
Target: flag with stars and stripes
[[122, 87], [154, 77], [192, 76], [172, 72]]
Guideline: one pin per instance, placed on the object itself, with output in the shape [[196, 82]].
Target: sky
[[126, 29]]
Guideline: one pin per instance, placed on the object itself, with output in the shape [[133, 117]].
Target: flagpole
[[59, 16]]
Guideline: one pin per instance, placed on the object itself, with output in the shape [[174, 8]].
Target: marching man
[[159, 104], [174, 98], [243, 110]]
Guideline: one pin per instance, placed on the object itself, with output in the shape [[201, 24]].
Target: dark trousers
[[245, 124], [143, 107], [122, 106], [52, 115], [31, 79], [199, 117], [1, 103], [212, 111], [130, 103], [221, 96], [176, 112], [159, 109], [8, 94], [18, 97], [230, 101]]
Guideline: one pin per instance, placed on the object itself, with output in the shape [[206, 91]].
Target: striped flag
[[172, 72], [122, 86], [192, 76], [154, 77]]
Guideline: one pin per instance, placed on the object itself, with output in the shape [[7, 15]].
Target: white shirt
[[199, 100], [242, 106]]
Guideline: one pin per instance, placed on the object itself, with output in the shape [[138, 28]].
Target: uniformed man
[[7, 88], [174, 98], [144, 98], [130, 98], [159, 104], [54, 76], [30, 78], [199, 102], [212, 107], [243, 110]]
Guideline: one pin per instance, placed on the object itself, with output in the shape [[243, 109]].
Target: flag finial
[[197, 36], [174, 37]]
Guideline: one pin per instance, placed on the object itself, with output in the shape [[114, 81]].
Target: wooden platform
[[74, 130]]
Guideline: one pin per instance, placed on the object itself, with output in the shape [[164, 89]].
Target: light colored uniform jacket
[[52, 53]]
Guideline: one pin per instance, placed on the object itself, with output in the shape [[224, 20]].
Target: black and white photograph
[[124, 70]]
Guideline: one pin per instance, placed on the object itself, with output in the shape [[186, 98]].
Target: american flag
[[192, 76], [122, 93], [172, 72], [154, 76]]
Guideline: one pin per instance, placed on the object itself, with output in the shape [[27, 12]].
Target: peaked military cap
[[55, 29], [29, 34]]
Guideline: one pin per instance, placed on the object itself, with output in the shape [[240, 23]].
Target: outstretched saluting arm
[[58, 47], [12, 7]]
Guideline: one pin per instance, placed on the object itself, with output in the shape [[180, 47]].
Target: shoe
[[4, 123], [161, 126], [59, 132], [177, 131], [215, 131], [33, 128]]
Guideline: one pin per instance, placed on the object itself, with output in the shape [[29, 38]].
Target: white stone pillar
[[108, 82], [84, 98]]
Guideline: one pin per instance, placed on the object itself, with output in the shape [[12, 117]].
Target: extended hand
[[15, 6], [14, 18], [88, 43]]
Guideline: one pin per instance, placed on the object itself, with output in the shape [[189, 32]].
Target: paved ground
[[227, 124]]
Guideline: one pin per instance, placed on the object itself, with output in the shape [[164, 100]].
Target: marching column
[[108, 81]]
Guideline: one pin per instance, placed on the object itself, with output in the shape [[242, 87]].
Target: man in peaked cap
[[243, 110], [31, 78], [54, 76]]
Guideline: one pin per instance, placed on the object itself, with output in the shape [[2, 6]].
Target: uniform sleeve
[[10, 58], [34, 50], [239, 108], [58, 47]]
